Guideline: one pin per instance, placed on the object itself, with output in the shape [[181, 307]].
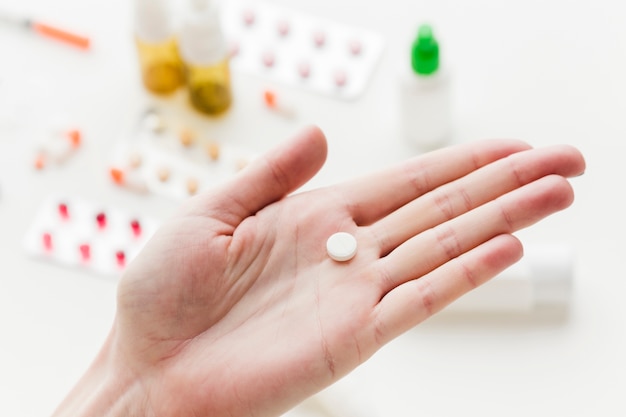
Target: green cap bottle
[[425, 52]]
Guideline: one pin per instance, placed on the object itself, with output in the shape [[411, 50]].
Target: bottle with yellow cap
[[205, 57], [425, 102], [159, 60]]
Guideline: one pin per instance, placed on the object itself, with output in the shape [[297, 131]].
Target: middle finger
[[471, 191]]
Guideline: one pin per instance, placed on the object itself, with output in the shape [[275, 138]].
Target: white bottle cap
[[552, 270], [201, 38], [152, 20]]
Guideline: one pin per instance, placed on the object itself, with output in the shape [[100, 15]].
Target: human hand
[[235, 309]]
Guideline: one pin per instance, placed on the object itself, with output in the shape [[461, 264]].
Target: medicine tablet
[[268, 59], [134, 160], [192, 186], [341, 246], [283, 28], [319, 39], [163, 174], [355, 47], [213, 150], [304, 69], [187, 137], [248, 17], [341, 78]]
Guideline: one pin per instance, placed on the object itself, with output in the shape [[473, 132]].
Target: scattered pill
[[57, 148], [355, 47], [135, 226], [40, 162], [269, 97], [268, 59], [241, 163], [75, 137], [341, 246], [120, 256], [187, 137], [101, 220], [272, 103], [154, 122], [128, 179], [319, 39], [134, 160], [47, 241], [163, 174], [213, 150], [85, 252], [340, 78], [248, 17], [63, 211], [192, 186], [117, 175], [283, 28], [304, 69], [233, 49]]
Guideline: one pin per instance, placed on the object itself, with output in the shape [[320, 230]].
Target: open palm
[[235, 309]]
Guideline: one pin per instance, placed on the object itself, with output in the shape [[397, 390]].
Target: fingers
[[271, 177], [377, 195], [473, 190], [412, 302], [434, 247]]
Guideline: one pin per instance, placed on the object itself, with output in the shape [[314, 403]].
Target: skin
[[235, 309]]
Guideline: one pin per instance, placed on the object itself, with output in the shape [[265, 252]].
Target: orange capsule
[[128, 179], [272, 103], [117, 175], [75, 137], [270, 99], [40, 162]]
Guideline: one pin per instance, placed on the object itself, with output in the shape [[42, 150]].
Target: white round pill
[[341, 246]]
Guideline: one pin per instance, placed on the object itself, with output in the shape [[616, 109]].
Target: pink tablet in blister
[[77, 233], [273, 42]]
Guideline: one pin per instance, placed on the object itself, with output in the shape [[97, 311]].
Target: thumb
[[271, 177]]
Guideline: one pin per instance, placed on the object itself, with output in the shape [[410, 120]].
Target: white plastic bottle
[[541, 279], [206, 60], [425, 95]]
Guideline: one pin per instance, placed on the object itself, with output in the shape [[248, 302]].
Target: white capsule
[[341, 246]]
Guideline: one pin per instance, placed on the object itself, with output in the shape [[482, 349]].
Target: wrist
[[107, 389]]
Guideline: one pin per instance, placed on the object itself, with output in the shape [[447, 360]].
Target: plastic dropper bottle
[[206, 60], [159, 60], [425, 107]]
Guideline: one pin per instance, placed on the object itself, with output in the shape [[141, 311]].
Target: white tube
[[542, 278]]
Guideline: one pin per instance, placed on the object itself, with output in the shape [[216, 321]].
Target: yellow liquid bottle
[[207, 68], [209, 87], [157, 49]]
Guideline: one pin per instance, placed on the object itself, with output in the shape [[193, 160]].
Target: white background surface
[[544, 71]]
